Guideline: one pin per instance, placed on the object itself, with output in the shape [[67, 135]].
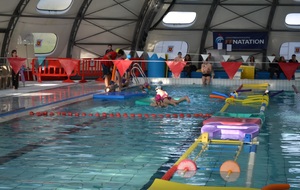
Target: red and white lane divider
[[126, 115]]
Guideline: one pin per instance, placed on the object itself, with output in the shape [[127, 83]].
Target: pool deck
[[35, 96]]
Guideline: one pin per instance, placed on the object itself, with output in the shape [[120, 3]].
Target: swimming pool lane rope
[[118, 115]]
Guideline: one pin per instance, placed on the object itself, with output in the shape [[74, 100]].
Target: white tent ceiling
[[90, 25]]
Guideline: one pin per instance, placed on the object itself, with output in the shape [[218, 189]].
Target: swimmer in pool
[[169, 100], [145, 88], [158, 102]]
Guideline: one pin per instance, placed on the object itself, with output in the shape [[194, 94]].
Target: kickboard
[[144, 101], [117, 95]]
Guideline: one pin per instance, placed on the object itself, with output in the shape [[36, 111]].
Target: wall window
[[44, 43], [179, 19], [53, 6], [171, 48], [289, 48], [292, 20]]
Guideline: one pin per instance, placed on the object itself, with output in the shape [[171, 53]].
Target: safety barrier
[[51, 67], [90, 67], [87, 67]]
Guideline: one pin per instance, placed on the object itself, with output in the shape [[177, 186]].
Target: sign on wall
[[240, 40]]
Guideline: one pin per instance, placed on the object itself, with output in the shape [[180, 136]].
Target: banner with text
[[240, 40]]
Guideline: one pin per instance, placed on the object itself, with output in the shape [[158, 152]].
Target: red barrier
[[52, 68], [87, 67], [90, 68]]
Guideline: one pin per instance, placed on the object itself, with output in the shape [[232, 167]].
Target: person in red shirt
[[107, 64]]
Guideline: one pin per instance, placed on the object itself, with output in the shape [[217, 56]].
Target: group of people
[[118, 82], [206, 67], [274, 68]]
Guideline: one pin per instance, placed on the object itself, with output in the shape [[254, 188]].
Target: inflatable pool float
[[160, 184], [260, 116], [144, 101], [232, 132], [232, 120]]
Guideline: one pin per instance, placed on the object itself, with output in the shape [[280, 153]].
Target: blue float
[[118, 95]]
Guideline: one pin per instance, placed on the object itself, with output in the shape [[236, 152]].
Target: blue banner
[[241, 40]]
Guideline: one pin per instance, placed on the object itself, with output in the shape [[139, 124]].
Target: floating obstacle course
[[231, 131]]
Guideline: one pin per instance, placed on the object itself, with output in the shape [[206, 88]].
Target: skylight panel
[[179, 19], [292, 20], [53, 6]]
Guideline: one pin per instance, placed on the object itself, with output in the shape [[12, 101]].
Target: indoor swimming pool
[[90, 152]]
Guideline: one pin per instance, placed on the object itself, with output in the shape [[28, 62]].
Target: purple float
[[232, 132]]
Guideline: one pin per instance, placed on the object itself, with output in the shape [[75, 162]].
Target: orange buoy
[[188, 115], [168, 115], [58, 113], [104, 114], [76, 114], [111, 115], [196, 115], [63, 113], [118, 114], [230, 171], [51, 114], [181, 115], [83, 114], [206, 115], [97, 114], [125, 115], [70, 114], [160, 115], [153, 115], [132, 115], [187, 168], [139, 115], [174, 115], [91, 114], [146, 115], [31, 113]]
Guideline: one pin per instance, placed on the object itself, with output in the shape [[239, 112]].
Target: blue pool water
[[64, 152]]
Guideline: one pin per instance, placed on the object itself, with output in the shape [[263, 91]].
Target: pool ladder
[[137, 67]]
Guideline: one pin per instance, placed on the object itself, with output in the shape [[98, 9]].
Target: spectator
[[293, 60], [16, 76], [188, 66], [179, 57], [109, 49], [252, 61], [281, 59], [209, 58], [274, 68]]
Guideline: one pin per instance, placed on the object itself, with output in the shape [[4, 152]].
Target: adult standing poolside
[[206, 69], [107, 65]]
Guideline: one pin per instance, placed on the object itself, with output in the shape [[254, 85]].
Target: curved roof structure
[[89, 25]]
